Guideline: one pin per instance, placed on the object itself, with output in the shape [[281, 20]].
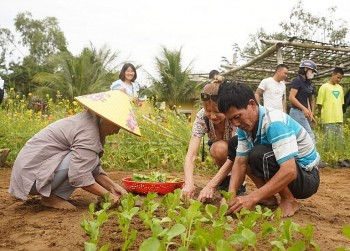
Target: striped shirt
[[287, 137]]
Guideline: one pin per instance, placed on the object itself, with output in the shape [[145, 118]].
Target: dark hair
[[124, 69], [234, 94], [338, 70], [280, 66], [212, 73]]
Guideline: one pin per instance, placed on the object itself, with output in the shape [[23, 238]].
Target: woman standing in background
[[126, 82], [302, 96]]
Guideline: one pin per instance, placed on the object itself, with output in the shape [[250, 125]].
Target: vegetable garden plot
[[167, 223]]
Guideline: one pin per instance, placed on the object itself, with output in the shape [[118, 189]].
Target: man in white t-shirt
[[273, 89]]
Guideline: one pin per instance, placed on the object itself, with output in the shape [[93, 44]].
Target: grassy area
[[163, 145]]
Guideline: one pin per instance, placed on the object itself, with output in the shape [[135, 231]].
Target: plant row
[[174, 224]]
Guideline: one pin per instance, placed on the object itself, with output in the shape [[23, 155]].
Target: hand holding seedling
[[239, 202], [105, 184], [206, 193], [117, 190], [187, 191]]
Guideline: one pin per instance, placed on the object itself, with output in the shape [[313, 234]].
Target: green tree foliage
[[305, 25], [49, 66], [41, 37], [6, 42], [174, 85], [87, 73], [20, 76], [301, 24]]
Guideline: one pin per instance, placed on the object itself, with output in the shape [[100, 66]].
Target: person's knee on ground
[[218, 152]]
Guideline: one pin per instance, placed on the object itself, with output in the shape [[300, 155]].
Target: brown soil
[[30, 226]]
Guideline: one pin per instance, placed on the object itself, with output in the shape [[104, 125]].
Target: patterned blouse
[[200, 128]]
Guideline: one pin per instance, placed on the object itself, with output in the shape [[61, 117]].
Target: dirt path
[[30, 226]]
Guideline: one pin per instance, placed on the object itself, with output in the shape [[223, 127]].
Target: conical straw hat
[[113, 106]]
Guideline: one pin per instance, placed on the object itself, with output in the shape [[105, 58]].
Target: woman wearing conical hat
[[66, 154]]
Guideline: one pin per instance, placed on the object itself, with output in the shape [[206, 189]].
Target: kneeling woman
[[66, 154], [208, 121]]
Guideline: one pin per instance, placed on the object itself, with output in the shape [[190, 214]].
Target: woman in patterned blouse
[[208, 121]]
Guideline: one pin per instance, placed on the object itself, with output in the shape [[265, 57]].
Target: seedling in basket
[[154, 177]]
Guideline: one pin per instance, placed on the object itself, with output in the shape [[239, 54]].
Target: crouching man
[[273, 150]]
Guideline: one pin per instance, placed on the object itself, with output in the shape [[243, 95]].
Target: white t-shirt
[[131, 90], [2, 82], [273, 92]]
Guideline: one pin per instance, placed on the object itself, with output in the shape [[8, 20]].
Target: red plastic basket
[[151, 187]]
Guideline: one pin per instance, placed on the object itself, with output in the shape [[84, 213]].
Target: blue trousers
[[299, 117]]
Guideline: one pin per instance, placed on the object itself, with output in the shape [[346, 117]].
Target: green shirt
[[331, 98]]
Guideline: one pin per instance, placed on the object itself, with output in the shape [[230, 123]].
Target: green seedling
[[148, 207], [346, 232], [92, 226], [127, 212], [162, 237], [227, 195], [308, 232], [223, 245], [189, 218], [172, 203]]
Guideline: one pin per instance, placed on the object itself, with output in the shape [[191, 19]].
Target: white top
[[273, 92], [131, 90], [2, 82]]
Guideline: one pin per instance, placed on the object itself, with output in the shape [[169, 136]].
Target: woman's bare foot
[[56, 202], [271, 201], [289, 207]]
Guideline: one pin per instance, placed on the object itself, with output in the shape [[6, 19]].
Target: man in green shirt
[[330, 100]]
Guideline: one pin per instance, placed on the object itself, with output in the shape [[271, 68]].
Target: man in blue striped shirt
[[273, 150]]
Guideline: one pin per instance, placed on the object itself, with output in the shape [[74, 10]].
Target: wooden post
[[279, 56], [234, 60], [3, 155]]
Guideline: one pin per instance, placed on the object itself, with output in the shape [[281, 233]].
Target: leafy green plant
[[149, 205], [127, 211], [92, 226], [346, 232], [307, 232], [172, 203], [189, 218], [163, 239], [154, 177], [199, 226]]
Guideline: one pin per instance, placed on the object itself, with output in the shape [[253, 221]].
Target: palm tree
[[174, 85], [91, 71]]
